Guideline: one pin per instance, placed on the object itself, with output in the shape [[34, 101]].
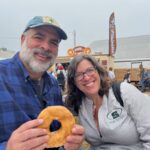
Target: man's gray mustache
[[44, 53]]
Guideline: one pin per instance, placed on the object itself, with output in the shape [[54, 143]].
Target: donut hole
[[55, 125]]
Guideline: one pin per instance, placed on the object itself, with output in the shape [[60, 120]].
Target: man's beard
[[36, 66]]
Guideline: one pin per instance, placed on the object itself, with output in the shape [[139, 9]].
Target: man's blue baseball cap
[[38, 21]]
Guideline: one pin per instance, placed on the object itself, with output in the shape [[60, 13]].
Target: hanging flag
[[112, 35]]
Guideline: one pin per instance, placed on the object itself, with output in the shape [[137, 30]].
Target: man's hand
[[74, 140], [28, 137]]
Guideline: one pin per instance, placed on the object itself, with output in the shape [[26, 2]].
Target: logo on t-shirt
[[116, 113]]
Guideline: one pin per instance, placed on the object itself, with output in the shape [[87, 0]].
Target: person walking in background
[[26, 89], [61, 76], [127, 77], [141, 68], [111, 74], [108, 124], [145, 81]]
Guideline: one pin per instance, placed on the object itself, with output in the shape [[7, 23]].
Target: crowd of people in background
[[144, 77], [60, 73]]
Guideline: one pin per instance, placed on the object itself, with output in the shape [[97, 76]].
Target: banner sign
[[112, 35]]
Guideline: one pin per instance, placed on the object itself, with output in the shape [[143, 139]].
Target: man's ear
[[22, 38]]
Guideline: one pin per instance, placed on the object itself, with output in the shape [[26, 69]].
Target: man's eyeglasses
[[89, 72]]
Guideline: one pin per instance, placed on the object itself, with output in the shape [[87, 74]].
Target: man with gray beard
[[26, 89]]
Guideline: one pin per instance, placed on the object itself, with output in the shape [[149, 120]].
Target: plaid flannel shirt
[[18, 100]]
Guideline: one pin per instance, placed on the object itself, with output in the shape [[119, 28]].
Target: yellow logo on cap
[[50, 20]]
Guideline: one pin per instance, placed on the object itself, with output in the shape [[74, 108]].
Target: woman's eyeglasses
[[89, 72]]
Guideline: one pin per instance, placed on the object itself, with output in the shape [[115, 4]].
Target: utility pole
[[74, 38]]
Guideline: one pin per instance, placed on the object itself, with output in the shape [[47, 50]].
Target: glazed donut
[[64, 116]]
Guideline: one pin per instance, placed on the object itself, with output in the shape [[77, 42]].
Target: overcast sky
[[89, 18]]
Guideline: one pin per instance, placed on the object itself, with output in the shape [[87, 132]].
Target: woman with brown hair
[[108, 125]]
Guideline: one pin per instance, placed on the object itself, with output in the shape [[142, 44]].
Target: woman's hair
[[74, 95]]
